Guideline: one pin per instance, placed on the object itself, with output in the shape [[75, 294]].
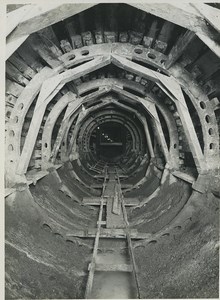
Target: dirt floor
[[179, 260]]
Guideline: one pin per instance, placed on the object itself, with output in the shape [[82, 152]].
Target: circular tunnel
[[112, 153]]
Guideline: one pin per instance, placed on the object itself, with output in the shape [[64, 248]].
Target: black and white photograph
[[111, 153]]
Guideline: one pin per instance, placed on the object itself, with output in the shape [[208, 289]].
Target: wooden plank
[[94, 254], [14, 74], [30, 56], [178, 49], [113, 221], [17, 61], [46, 50], [116, 208], [149, 38], [46, 14], [113, 268], [50, 35], [99, 186], [164, 36], [130, 248], [76, 39], [108, 233], [184, 176]]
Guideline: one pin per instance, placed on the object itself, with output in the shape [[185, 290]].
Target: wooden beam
[[113, 268], [214, 46], [72, 107], [178, 49], [33, 132], [21, 65], [211, 14], [96, 201], [148, 138], [130, 66], [108, 233], [16, 121], [46, 50], [150, 106], [49, 126], [14, 44], [69, 75], [188, 126], [44, 15], [15, 17]]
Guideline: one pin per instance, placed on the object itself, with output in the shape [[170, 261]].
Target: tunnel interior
[[110, 141], [112, 121]]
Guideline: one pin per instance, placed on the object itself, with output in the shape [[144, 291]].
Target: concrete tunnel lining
[[74, 76]]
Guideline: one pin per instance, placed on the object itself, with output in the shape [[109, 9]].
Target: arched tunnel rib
[[112, 151]]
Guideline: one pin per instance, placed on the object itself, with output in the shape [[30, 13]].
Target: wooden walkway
[[114, 226]]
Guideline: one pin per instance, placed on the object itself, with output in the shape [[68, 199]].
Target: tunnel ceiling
[[156, 70]]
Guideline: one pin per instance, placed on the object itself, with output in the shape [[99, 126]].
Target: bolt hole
[[10, 147], [151, 56], [47, 227], [45, 145], [69, 242], [153, 242], [210, 131], [202, 105], [166, 234], [21, 106], [207, 118], [58, 235], [178, 227], [85, 52], [174, 146], [211, 146], [138, 51], [71, 57], [11, 133]]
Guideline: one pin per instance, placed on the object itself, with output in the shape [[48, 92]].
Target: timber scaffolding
[[115, 226]]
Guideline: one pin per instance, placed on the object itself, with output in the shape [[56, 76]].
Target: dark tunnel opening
[[110, 141]]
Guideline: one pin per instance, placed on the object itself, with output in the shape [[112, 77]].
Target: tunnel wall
[[182, 259], [41, 261]]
